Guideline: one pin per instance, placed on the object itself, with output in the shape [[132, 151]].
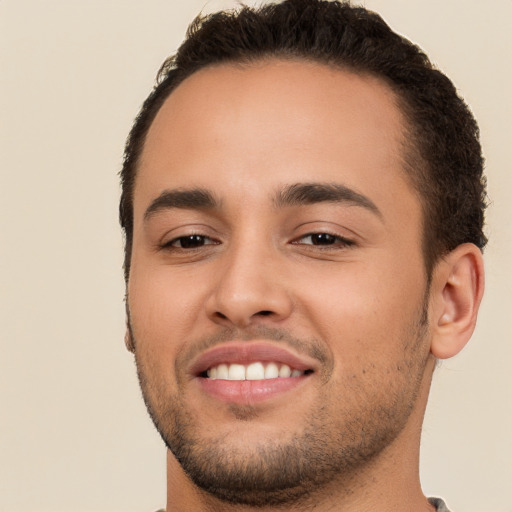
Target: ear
[[456, 292], [128, 338]]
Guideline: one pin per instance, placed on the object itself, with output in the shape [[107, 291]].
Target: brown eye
[[190, 242], [323, 239]]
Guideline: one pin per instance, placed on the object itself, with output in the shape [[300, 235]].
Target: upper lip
[[249, 352]]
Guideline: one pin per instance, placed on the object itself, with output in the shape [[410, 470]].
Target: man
[[303, 207]]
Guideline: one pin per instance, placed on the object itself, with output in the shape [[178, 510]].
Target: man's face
[[277, 243]]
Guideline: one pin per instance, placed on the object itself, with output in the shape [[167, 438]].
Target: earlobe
[[457, 287], [128, 340]]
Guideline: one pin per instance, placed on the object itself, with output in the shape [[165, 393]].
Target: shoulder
[[437, 502]]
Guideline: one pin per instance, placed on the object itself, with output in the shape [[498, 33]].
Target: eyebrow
[[292, 195], [196, 198], [312, 193]]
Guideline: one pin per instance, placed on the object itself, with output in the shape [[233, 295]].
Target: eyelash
[[334, 241], [337, 241], [171, 244]]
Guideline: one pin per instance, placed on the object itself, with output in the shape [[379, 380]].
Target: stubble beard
[[330, 447]]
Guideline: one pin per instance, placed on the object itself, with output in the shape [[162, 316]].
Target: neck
[[388, 483]]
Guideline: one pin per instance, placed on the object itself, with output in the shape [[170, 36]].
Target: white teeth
[[285, 371], [222, 372], [253, 371], [236, 372], [271, 371]]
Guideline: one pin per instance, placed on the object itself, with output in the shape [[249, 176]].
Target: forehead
[[246, 129]]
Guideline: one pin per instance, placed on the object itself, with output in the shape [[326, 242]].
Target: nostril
[[264, 313]]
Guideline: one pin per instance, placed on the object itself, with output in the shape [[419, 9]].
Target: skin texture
[[356, 307]]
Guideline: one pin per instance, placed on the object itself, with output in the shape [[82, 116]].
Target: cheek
[[363, 313], [164, 310]]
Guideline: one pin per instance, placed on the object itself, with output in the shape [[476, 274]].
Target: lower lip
[[245, 392]]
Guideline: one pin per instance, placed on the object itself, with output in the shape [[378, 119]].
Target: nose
[[250, 287]]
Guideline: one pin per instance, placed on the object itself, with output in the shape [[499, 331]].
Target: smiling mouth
[[247, 373], [253, 371]]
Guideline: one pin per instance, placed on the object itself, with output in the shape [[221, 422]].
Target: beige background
[[74, 434]]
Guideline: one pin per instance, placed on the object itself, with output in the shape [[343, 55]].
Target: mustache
[[311, 347]]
